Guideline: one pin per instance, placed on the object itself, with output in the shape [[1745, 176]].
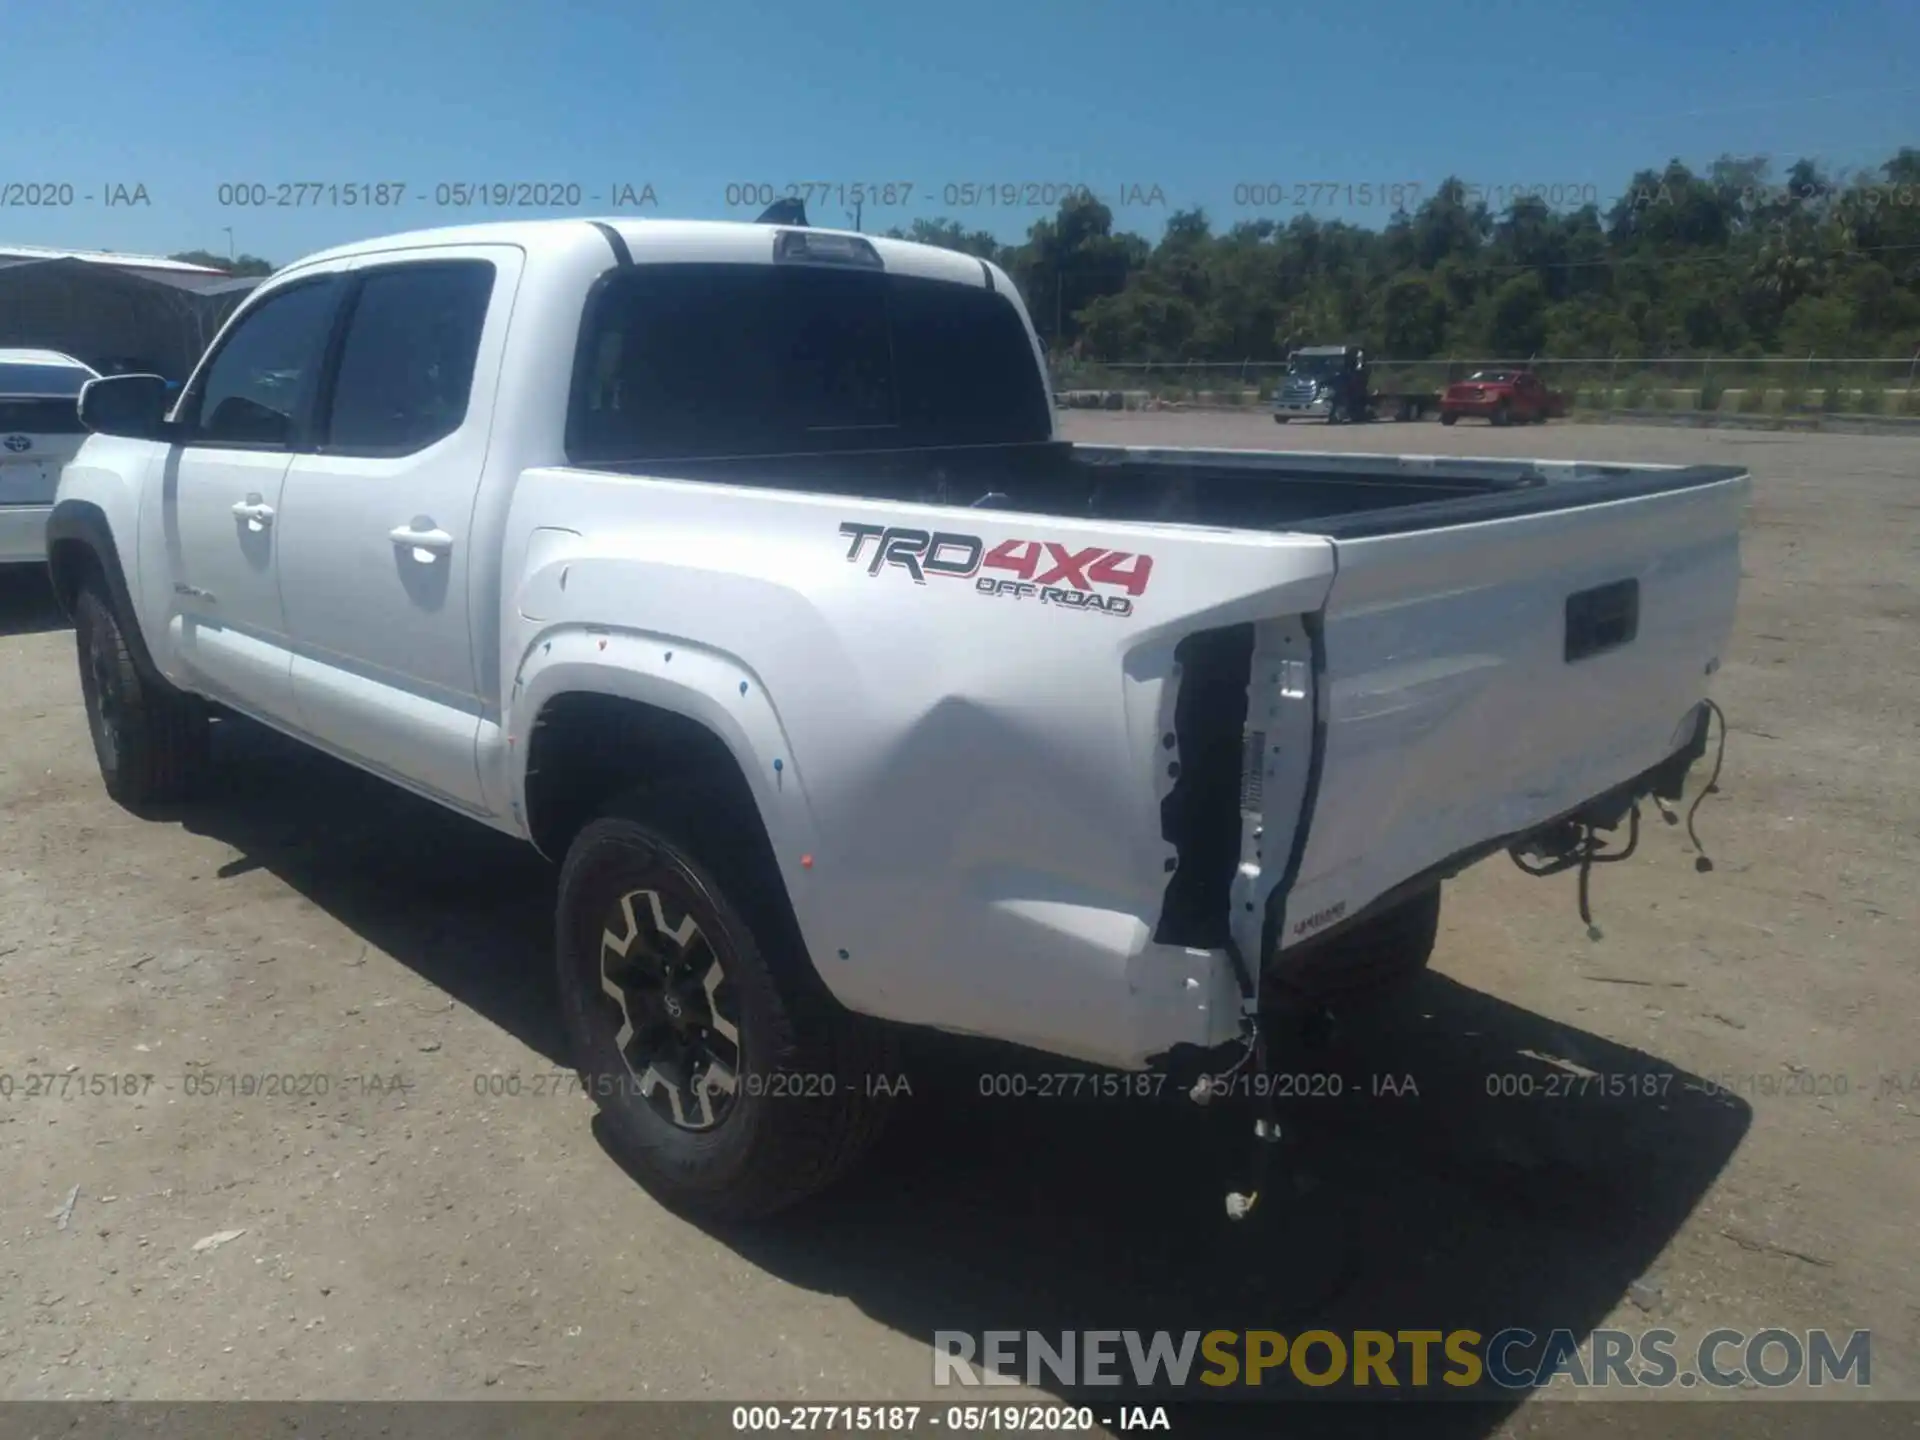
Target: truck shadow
[[1418, 1197], [1424, 1194], [464, 907], [27, 606]]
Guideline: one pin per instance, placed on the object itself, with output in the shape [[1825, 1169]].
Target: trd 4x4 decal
[[1086, 578]]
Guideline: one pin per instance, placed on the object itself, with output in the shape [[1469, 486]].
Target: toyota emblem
[[17, 443]]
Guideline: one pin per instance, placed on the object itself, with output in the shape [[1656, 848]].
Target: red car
[[1503, 397]]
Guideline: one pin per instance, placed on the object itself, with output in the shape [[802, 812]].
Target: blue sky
[[1192, 100]]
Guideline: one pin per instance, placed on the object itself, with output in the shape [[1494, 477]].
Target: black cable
[[1586, 851], [1626, 851], [1585, 854], [1702, 863], [1591, 855], [1586, 873], [1551, 867]]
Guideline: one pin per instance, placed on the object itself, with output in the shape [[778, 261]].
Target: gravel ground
[[407, 1234]]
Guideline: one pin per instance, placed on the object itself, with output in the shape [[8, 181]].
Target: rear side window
[[406, 363], [40, 417], [704, 361], [18, 379]]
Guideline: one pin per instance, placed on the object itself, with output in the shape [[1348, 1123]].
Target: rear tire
[[734, 1125], [1448, 417], [1372, 957], [1502, 415], [152, 741], [1280, 419]]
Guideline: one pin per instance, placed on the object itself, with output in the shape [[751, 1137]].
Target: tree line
[[1729, 262], [1725, 263]]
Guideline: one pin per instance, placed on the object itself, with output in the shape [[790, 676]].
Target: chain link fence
[[1773, 385]]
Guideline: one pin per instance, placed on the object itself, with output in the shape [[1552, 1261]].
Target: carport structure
[[116, 312]]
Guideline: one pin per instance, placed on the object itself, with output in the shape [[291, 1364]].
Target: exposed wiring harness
[[1588, 850], [1701, 862], [1266, 1128]]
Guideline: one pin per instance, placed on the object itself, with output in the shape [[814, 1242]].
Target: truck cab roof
[[670, 242]]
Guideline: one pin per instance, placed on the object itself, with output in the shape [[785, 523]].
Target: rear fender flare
[[714, 689]]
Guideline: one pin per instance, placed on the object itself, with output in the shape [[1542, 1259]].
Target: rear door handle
[[256, 512], [422, 537]]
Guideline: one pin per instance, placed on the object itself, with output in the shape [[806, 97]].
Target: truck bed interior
[[1344, 496]]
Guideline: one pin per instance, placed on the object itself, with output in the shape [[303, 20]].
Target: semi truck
[[1334, 383]]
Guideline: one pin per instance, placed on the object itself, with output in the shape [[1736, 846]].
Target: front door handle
[[255, 511], [422, 538]]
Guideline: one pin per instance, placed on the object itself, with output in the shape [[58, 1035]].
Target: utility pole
[[858, 206], [229, 230]]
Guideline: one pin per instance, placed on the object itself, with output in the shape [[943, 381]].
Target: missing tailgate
[[1200, 817]]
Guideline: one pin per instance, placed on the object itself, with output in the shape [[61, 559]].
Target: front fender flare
[[77, 527]]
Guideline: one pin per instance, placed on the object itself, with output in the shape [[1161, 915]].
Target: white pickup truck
[[742, 571]]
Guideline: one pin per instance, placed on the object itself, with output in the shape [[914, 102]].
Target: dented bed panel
[[973, 768]]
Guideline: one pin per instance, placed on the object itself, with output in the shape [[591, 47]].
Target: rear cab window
[[709, 361]]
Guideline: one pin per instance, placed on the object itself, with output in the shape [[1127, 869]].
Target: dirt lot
[[436, 1241]]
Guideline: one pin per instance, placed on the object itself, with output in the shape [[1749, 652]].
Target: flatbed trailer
[[1330, 382]]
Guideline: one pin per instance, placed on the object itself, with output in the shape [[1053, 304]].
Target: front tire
[[731, 1083], [1448, 417], [1502, 415], [151, 740]]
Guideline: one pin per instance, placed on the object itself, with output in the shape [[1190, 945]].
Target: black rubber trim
[[310, 431], [616, 242], [1532, 500], [84, 523], [986, 272]]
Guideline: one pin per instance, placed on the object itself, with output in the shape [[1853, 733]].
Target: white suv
[[39, 432]]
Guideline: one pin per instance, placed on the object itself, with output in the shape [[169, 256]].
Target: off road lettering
[[1074, 578]]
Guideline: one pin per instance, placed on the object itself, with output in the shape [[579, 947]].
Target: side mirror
[[134, 406]]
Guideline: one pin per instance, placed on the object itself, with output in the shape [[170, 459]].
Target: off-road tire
[[805, 1109], [152, 741], [1368, 959]]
